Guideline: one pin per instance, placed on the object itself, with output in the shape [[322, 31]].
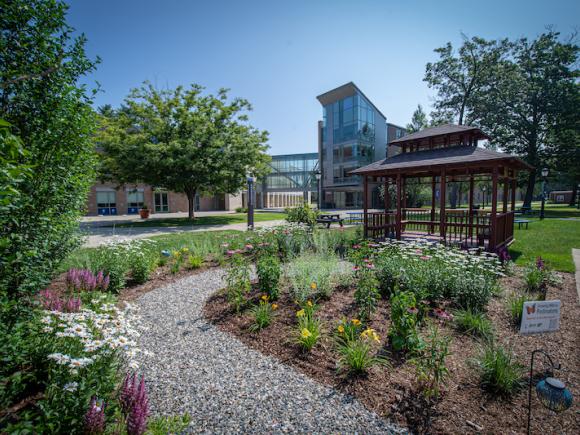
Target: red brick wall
[[177, 201]]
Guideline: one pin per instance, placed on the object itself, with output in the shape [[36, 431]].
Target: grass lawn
[[223, 219], [552, 239]]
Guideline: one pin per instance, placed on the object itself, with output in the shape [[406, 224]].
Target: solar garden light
[[551, 392], [544, 175]]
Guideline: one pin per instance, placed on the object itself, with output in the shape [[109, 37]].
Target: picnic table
[[330, 218], [355, 217], [521, 222]]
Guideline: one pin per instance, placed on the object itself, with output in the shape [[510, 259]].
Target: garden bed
[[392, 392]]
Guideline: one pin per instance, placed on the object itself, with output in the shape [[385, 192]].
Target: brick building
[[110, 199]]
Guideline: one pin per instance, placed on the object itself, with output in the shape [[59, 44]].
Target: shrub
[[302, 214], [241, 209], [262, 314], [430, 363], [238, 283], [367, 292], [499, 372], [141, 268], [309, 328], [269, 271], [537, 277], [194, 261], [358, 355], [403, 331], [473, 323], [312, 275]]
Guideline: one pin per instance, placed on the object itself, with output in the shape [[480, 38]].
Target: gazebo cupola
[[439, 156]]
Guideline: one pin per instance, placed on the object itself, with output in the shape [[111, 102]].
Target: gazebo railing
[[460, 227], [381, 225]]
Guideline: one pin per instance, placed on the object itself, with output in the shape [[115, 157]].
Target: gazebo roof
[[463, 156], [441, 130]]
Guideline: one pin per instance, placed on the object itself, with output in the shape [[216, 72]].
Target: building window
[[161, 202], [135, 201], [106, 202]]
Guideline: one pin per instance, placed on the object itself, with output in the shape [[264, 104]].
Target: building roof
[[462, 155], [344, 91], [440, 130]]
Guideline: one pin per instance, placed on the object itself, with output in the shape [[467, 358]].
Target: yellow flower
[[305, 333], [370, 333], [313, 286], [265, 298], [355, 322], [185, 250], [274, 306], [176, 254], [309, 303], [341, 329], [300, 313]]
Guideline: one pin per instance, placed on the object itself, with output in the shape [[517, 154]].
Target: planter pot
[[144, 213]]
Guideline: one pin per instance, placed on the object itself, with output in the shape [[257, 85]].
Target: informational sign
[[540, 316]]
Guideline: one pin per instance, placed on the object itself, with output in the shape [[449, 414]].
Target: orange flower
[[274, 306]]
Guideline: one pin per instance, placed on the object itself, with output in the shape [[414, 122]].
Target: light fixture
[[551, 392], [318, 175], [545, 172]]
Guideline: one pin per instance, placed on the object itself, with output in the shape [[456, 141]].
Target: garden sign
[[540, 316]]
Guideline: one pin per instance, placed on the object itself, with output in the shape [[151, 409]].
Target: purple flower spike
[[135, 404], [95, 418], [540, 263], [127, 393]]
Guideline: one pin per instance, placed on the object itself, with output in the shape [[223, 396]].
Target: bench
[[521, 222], [328, 219]]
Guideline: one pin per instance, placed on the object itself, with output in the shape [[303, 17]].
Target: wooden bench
[[328, 219]]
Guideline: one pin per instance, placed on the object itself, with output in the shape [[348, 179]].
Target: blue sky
[[281, 54]]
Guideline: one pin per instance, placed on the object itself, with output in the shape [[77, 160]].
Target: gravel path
[[225, 386]]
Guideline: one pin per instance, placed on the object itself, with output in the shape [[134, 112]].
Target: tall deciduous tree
[[40, 65], [531, 106], [183, 140]]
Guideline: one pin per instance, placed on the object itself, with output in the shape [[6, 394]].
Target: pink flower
[[370, 265], [355, 246], [425, 257], [442, 314], [95, 418], [249, 247], [230, 252], [412, 310], [356, 268]]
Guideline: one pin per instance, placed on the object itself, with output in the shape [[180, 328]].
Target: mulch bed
[[463, 406]]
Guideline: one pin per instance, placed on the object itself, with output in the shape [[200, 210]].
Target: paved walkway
[[225, 386], [98, 235], [576, 257]]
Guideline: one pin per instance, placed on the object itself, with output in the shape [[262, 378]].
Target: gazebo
[[438, 156]]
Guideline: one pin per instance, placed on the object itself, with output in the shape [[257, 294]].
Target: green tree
[[419, 120], [458, 78], [40, 65], [183, 140], [531, 107]]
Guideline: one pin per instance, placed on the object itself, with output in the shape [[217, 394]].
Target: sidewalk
[[97, 235]]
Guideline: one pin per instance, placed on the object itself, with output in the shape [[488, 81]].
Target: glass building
[[291, 181], [353, 133]]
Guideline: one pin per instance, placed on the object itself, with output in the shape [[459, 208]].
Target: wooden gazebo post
[[365, 205], [471, 210], [493, 217], [442, 198], [514, 187], [433, 190], [399, 214]]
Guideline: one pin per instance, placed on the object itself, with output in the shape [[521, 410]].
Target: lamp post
[[484, 188], [552, 392], [251, 200], [318, 176], [544, 175]]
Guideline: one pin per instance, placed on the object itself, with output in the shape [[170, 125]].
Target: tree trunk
[[530, 189], [574, 195], [453, 195], [191, 202]]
